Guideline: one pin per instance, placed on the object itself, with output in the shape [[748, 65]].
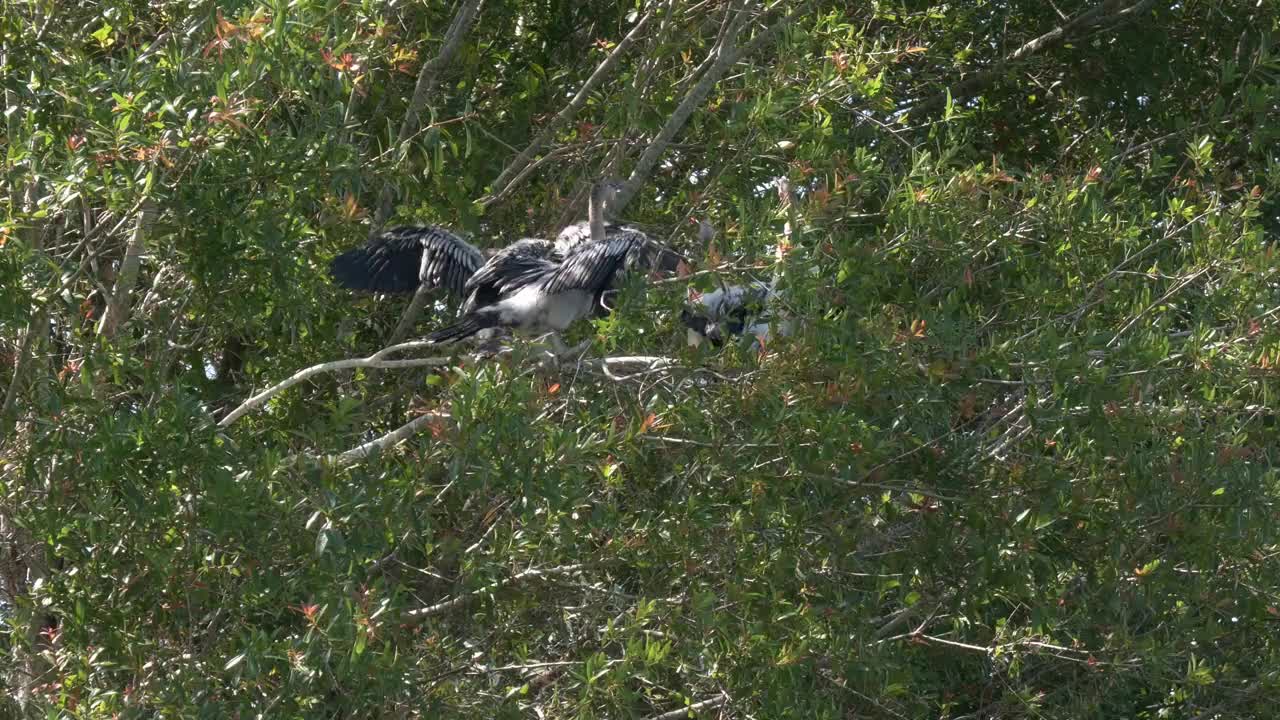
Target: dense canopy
[[1017, 459]]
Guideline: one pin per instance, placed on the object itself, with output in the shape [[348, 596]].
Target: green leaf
[[104, 35]]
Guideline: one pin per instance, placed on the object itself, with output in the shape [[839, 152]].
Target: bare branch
[[26, 352], [119, 304], [428, 77], [36, 329], [426, 612], [376, 360], [1106, 15], [362, 452], [410, 314], [512, 173], [688, 710], [725, 54]]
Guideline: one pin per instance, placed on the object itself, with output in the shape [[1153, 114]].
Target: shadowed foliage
[[1017, 460]]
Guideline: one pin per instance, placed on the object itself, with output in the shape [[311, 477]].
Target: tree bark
[[722, 56], [512, 173], [428, 77], [121, 301]]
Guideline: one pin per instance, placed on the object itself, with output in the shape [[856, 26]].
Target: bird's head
[[706, 231], [699, 327], [605, 193]]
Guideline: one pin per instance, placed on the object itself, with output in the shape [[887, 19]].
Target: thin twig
[[1172, 291], [507, 179], [426, 612], [688, 710]]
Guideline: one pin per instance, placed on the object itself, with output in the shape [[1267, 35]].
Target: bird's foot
[[557, 351]]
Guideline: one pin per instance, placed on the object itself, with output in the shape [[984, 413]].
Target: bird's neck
[[595, 217]]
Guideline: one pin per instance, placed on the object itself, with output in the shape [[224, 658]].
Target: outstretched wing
[[402, 258], [578, 233], [512, 267], [512, 263], [597, 266]]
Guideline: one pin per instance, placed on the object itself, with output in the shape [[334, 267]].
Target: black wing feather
[[401, 258], [596, 266], [573, 236], [512, 262], [511, 268]]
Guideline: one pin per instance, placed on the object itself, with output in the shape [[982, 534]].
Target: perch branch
[[119, 304], [376, 360], [428, 77]]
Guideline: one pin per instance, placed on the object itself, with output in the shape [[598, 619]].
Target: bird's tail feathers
[[464, 328]]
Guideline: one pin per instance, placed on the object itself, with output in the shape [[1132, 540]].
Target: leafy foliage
[[1019, 460]]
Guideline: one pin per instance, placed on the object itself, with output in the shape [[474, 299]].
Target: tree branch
[[37, 327], [1105, 15], [362, 452], [428, 77], [410, 314], [25, 355], [121, 297], [426, 612], [725, 54], [376, 360], [512, 174], [688, 710]]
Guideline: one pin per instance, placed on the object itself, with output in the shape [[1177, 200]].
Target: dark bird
[[539, 289], [532, 285], [551, 298], [507, 270], [731, 311]]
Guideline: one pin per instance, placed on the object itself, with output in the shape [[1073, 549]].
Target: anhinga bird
[[401, 259], [531, 285], [732, 310], [551, 297], [597, 225], [548, 290], [509, 269]]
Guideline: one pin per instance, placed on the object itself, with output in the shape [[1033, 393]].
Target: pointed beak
[[714, 335]]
